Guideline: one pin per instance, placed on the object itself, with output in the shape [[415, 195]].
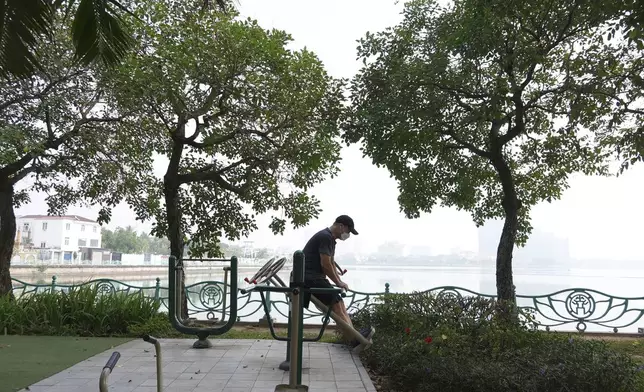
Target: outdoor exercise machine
[[175, 277], [107, 370], [295, 338]]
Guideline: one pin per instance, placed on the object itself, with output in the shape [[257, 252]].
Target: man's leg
[[341, 310], [335, 302]]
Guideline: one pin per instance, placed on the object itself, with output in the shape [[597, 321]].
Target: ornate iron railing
[[570, 309]]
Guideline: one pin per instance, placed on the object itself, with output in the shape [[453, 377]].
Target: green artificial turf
[[25, 360]]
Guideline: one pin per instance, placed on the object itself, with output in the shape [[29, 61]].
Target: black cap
[[347, 221]]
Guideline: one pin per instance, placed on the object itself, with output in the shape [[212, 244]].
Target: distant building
[[60, 238]]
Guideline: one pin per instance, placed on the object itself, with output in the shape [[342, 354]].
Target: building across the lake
[[58, 238]]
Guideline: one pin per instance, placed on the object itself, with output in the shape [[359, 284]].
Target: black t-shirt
[[321, 242]]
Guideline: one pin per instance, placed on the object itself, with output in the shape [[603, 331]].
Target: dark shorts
[[327, 299]]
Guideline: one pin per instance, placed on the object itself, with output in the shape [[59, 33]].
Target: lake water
[[567, 306]]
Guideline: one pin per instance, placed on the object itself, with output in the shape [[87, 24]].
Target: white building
[[63, 236]]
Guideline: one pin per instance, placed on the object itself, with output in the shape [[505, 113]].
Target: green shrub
[[81, 311], [429, 343], [158, 326]]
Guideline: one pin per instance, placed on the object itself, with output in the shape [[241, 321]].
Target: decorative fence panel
[[572, 309]]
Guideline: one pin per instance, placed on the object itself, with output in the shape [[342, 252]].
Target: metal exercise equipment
[[157, 352], [295, 338], [107, 370], [175, 276], [268, 275]]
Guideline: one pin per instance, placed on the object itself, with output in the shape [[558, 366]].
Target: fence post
[[157, 289], [53, 284], [386, 292]]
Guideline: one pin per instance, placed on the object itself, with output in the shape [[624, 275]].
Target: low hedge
[[80, 312], [429, 343]]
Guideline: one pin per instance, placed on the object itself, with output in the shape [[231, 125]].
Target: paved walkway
[[229, 366]]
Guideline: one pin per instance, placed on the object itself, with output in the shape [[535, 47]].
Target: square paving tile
[[231, 365]]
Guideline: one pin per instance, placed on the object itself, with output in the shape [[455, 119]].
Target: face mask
[[345, 236]]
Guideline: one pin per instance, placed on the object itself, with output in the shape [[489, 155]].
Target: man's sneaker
[[367, 332]]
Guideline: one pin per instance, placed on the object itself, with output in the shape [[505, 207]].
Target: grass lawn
[[25, 360]]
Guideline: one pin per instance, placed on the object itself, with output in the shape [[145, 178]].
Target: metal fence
[[572, 309]]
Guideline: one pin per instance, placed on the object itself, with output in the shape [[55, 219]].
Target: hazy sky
[[601, 216]]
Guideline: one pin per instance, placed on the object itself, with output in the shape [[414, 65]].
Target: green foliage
[[157, 326], [21, 21], [622, 99], [58, 128], [466, 104], [81, 311], [247, 124], [127, 240], [98, 31], [428, 343]]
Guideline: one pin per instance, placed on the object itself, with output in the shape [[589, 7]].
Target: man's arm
[[326, 259], [329, 269]]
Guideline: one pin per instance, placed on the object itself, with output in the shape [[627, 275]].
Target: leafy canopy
[[624, 96], [59, 129], [98, 29], [247, 123], [467, 103]]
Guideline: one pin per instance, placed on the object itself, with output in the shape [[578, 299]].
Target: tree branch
[[210, 100], [50, 130], [229, 136], [42, 93], [460, 91], [519, 124], [462, 143], [38, 169], [51, 144], [217, 176]]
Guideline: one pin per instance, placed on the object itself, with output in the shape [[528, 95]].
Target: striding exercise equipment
[[294, 292]]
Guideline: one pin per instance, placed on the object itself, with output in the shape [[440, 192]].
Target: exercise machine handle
[[267, 288], [320, 290], [149, 339], [112, 361]]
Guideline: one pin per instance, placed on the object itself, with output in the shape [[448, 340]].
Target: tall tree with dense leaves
[[480, 105], [247, 125], [59, 135]]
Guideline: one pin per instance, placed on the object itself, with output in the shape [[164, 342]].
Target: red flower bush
[[428, 339], [407, 330]]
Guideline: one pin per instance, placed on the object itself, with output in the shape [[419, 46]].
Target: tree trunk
[[173, 216], [7, 237], [175, 235], [504, 281]]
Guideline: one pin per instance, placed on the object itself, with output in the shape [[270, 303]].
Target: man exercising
[[319, 255]]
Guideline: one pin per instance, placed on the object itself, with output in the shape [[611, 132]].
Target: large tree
[[59, 135], [481, 105], [247, 125]]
